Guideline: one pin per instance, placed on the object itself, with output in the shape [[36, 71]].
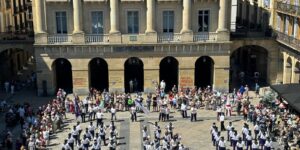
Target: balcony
[[59, 38], [288, 8], [96, 38], [203, 37], [10, 37], [288, 40], [168, 37]]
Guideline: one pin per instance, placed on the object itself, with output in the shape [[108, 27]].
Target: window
[[61, 22], [97, 22], [278, 22], [295, 27], [286, 24], [168, 21], [8, 4], [203, 21], [133, 22], [296, 2]]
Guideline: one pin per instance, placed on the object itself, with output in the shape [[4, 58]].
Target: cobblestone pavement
[[195, 135]]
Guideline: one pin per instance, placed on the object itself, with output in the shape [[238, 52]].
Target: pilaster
[[41, 38]]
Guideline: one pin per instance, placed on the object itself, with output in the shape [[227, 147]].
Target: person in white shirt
[[86, 104], [113, 113], [255, 145], [85, 142], [6, 85], [95, 110], [268, 144], [229, 128], [99, 116], [91, 129], [193, 114], [102, 134], [235, 139], [133, 113], [240, 144], [97, 138], [21, 112], [217, 139], [32, 144], [231, 134], [183, 110], [162, 85], [256, 130], [46, 134], [75, 134], [167, 113], [262, 139], [112, 145], [96, 146], [80, 146], [249, 140], [71, 141], [90, 111], [65, 146], [222, 119], [222, 144]]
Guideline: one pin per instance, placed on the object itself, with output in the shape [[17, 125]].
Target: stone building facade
[[286, 25], [109, 44]]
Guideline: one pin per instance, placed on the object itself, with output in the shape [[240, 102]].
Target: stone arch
[[288, 70], [98, 74], [168, 71], [204, 72], [15, 62], [297, 72], [62, 73], [248, 65], [134, 75]]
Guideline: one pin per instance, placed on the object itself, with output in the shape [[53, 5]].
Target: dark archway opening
[[16, 65], [248, 65], [204, 72], [62, 69], [98, 73], [297, 72], [134, 75], [168, 71]]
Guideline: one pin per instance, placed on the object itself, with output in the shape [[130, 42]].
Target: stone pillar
[[150, 16], [222, 16], [77, 14], [223, 32], [114, 17], [293, 71], [284, 67], [78, 35], [39, 16], [40, 34], [186, 16]]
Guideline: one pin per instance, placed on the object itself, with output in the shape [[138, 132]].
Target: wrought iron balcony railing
[[288, 40], [96, 38], [288, 8], [168, 37], [203, 37], [59, 38]]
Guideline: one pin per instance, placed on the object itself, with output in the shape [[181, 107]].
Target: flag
[[139, 105]]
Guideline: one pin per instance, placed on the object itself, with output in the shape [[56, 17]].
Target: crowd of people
[[167, 141], [93, 138], [36, 126], [265, 124]]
